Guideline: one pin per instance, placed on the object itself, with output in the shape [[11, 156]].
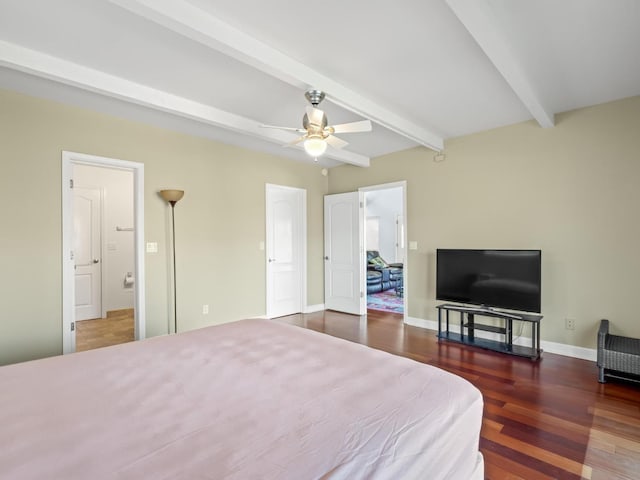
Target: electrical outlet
[[570, 324], [205, 309]]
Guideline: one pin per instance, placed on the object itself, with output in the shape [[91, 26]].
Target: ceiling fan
[[316, 131]]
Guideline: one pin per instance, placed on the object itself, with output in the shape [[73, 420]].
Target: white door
[[285, 249], [86, 253], [344, 253]]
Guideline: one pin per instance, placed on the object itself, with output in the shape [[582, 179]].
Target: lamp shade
[[315, 146], [172, 196]]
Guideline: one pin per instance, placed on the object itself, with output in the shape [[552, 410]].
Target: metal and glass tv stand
[[468, 326]]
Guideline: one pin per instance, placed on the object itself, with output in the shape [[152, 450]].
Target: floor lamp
[[173, 196]]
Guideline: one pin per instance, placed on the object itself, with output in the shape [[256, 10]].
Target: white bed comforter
[[247, 400]]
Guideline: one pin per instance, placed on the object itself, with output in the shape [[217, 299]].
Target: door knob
[[95, 260], [326, 258], [272, 260]]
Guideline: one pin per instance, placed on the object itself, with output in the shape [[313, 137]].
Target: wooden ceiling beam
[[192, 22], [53, 68], [479, 20]]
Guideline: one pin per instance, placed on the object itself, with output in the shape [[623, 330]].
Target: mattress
[[252, 399]]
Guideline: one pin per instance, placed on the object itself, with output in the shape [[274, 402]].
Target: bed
[[252, 399]]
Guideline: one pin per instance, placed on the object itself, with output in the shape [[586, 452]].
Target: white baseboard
[[551, 347], [314, 308], [308, 309], [420, 322], [569, 350]]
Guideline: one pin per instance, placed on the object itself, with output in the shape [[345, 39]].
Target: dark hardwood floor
[[549, 419]]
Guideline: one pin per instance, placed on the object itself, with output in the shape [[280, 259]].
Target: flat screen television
[[509, 279]]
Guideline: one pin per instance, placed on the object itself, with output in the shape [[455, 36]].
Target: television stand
[[468, 327]]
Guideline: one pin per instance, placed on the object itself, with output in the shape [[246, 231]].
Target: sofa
[[381, 275]]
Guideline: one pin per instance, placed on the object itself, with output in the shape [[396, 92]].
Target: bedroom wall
[[571, 191], [219, 222]]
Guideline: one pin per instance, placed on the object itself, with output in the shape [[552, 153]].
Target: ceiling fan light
[[314, 146]]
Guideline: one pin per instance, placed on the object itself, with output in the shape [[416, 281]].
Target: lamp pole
[[172, 196], [175, 288]]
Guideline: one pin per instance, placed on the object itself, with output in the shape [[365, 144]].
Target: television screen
[[509, 279]]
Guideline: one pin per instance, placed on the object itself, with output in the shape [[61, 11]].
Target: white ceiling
[[421, 70]]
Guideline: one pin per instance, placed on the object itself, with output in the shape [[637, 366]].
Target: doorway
[[102, 248], [385, 247], [345, 240]]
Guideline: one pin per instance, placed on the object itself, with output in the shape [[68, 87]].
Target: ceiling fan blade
[[291, 129], [296, 141], [336, 142], [315, 116], [353, 127]]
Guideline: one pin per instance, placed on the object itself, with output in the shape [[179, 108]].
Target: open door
[[344, 253], [87, 252]]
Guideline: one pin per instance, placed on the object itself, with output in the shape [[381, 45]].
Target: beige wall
[[572, 191], [219, 222]]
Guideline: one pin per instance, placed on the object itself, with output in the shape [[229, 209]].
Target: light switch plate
[[413, 245], [152, 247]]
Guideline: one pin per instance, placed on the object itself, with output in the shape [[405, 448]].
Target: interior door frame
[[69, 159], [302, 246], [405, 267]]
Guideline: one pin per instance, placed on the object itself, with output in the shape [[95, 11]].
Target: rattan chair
[[618, 357]]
